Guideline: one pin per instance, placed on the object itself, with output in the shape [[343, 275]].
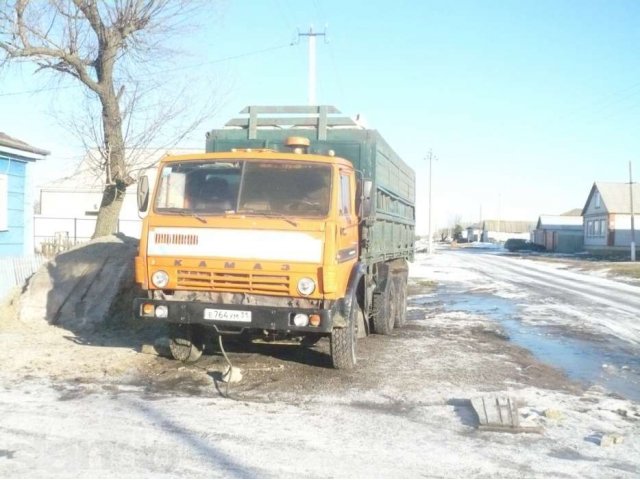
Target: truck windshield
[[251, 187]]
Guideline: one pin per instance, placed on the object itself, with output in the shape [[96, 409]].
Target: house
[[560, 233], [607, 217], [496, 231], [16, 159], [69, 205]]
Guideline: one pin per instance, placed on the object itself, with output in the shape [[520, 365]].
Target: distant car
[[520, 245]]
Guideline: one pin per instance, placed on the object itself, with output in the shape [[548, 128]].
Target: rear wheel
[[186, 342], [343, 341], [383, 309], [401, 302]]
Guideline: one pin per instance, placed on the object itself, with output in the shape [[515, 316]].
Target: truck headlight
[[306, 286], [160, 278]]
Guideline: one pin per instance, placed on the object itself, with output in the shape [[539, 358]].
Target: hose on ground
[[229, 369]]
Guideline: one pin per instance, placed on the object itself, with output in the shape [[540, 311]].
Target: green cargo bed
[[389, 232]]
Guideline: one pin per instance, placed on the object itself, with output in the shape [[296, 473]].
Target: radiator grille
[[176, 239], [233, 282]]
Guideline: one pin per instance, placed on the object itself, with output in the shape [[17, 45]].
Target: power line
[[611, 99], [185, 67], [284, 14]]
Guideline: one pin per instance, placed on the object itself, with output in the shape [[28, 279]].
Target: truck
[[296, 224]]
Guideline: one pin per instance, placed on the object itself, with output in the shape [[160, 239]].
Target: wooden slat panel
[[287, 121], [295, 109]]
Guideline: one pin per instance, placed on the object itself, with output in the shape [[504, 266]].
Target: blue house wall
[[12, 240]]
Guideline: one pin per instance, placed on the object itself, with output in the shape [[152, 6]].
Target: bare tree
[[98, 43]]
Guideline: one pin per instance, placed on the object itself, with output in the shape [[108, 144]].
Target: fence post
[[75, 230]]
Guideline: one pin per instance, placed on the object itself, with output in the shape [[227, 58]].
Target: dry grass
[[613, 268], [625, 269]]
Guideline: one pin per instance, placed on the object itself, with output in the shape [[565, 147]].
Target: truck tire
[[401, 302], [343, 341], [186, 342], [383, 309]]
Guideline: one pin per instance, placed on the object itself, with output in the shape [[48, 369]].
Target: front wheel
[[343, 341], [186, 342]]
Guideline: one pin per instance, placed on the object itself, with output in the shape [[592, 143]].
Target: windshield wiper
[[185, 213], [270, 215], [193, 214]]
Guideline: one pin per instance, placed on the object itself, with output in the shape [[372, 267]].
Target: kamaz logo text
[[232, 265]]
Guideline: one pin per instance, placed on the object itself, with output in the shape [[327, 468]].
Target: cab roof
[[257, 154]]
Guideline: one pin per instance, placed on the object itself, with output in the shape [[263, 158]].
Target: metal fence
[[14, 271], [53, 235]]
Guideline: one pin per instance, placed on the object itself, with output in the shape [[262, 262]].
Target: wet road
[[586, 325]]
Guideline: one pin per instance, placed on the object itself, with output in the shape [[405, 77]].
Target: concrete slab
[[500, 414]]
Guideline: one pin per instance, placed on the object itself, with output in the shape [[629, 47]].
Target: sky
[[524, 104]]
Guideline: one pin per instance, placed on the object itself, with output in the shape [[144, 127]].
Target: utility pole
[[311, 35], [480, 226], [499, 213], [633, 232], [430, 157]]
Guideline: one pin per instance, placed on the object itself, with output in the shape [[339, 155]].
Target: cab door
[[347, 231]]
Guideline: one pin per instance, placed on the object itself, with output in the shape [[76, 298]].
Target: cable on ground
[[229, 369]]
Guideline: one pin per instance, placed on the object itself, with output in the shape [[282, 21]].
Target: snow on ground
[[404, 413], [53, 432]]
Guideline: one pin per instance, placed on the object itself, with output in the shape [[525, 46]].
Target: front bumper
[[262, 318]]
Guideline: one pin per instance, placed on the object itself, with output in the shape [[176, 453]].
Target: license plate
[[227, 315]]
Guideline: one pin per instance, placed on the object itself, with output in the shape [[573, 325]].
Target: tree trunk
[[107, 221], [117, 178]]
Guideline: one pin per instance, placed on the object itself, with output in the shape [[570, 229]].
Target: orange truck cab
[[299, 233]]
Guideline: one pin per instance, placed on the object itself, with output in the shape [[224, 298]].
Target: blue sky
[[525, 103]]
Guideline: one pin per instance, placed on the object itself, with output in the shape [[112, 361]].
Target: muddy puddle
[[590, 360]]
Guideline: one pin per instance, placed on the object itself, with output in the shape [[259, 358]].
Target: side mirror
[[365, 199], [143, 193]]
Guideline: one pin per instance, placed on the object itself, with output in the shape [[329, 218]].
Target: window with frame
[[345, 195], [596, 228], [4, 202], [596, 200]]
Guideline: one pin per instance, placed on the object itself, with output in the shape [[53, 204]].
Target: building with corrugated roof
[[560, 233], [496, 231]]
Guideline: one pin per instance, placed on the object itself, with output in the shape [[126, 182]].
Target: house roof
[[560, 222], [615, 197], [89, 177], [574, 212], [11, 142], [508, 226]]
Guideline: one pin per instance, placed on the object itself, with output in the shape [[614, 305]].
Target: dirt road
[[94, 405]]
